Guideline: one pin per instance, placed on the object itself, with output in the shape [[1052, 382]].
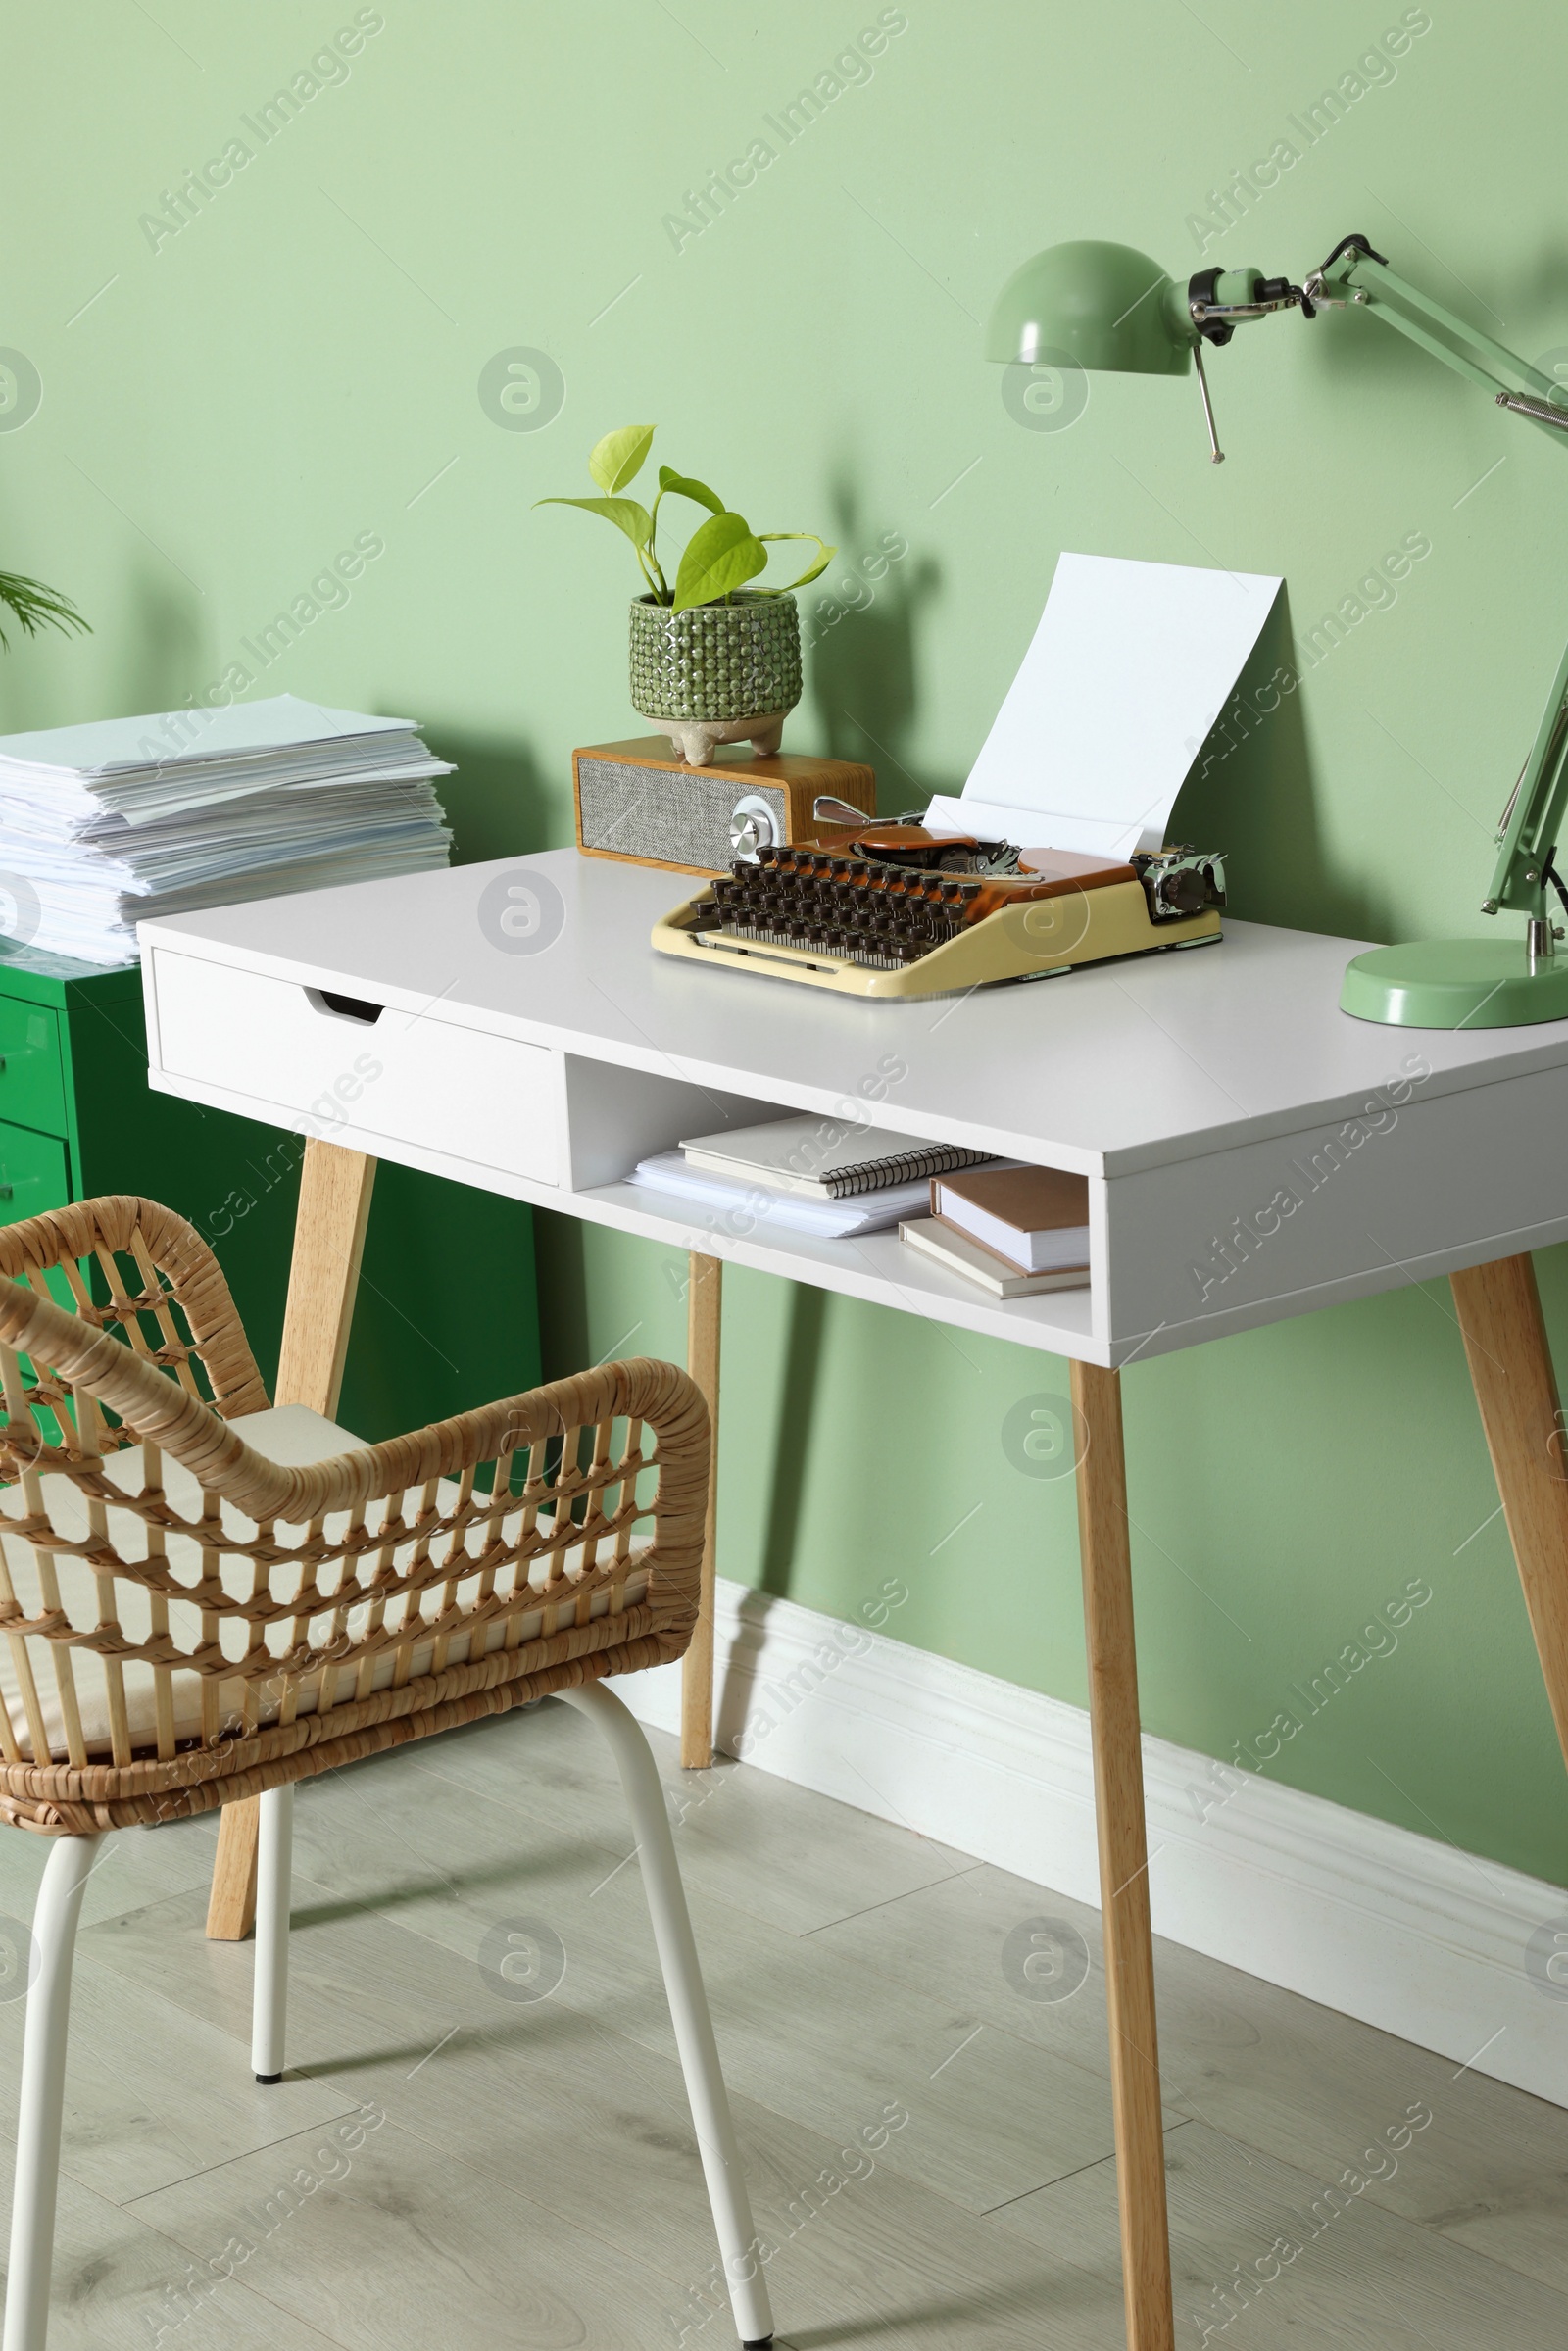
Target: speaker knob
[[751, 826]]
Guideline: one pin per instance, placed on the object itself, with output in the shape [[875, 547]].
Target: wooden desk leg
[[703, 1297], [1511, 1370], [323, 1276], [1123, 1859]]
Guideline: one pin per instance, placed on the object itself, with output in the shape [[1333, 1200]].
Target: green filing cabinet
[[436, 1330]]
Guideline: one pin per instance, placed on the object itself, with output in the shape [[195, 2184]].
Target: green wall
[[225, 408]]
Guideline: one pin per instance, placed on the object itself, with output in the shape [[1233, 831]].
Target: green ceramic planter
[[718, 661]]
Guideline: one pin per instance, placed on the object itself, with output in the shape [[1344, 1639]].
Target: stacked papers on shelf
[[737, 1207], [109, 823]]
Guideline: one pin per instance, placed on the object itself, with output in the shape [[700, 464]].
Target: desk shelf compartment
[[613, 1116], [875, 1266]]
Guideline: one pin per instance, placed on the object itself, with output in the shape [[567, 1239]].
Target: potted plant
[[713, 660]]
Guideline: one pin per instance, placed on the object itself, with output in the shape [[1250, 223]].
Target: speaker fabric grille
[[680, 819]]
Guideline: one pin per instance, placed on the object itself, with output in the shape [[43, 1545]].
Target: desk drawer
[[343, 1075], [33, 1083], [32, 1174]]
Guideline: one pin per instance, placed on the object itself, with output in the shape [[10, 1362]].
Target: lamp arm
[[1372, 285], [1532, 824]]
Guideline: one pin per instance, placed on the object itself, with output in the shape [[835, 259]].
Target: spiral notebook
[[825, 1159]]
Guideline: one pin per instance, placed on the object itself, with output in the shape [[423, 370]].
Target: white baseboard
[[1397, 1929]]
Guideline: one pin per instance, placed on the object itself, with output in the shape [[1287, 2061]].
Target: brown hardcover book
[[1035, 1218]]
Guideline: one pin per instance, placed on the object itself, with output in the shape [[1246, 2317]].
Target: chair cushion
[[290, 1435]]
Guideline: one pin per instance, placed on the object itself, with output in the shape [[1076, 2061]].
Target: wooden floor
[[928, 2140]]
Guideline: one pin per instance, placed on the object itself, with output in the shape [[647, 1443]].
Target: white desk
[[1251, 1153]]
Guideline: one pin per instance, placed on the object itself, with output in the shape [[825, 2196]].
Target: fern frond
[[35, 607]]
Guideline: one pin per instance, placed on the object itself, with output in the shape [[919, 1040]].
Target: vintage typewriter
[[894, 911]]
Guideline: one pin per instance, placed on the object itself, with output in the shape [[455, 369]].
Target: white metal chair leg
[[687, 2008], [43, 2091], [273, 1875]]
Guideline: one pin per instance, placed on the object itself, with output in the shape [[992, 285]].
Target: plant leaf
[[624, 513], [684, 486], [722, 554], [817, 568], [33, 607], [615, 460]]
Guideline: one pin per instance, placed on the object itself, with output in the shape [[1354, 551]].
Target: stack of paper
[[737, 1205], [109, 824]]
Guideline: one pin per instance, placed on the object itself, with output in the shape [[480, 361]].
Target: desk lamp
[[1100, 305]]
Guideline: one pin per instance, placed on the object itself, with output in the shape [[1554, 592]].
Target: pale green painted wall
[[302, 361]]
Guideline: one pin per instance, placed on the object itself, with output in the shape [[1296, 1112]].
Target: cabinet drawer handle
[[5, 1191], [342, 1007]]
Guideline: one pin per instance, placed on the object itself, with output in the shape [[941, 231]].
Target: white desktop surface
[[1110, 1069], [1181, 1083]]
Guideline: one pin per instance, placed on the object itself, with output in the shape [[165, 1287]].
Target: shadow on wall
[[1252, 794], [857, 626], [802, 1362], [562, 1286], [500, 803], [162, 655], [425, 1343], [1537, 284], [151, 663]]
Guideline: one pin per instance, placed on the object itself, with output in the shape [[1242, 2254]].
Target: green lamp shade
[[1103, 306]]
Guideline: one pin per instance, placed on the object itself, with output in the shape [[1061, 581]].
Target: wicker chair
[[205, 1600]]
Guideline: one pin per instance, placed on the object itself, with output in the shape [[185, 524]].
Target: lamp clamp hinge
[[1209, 317], [1217, 321], [1315, 292], [1355, 243]]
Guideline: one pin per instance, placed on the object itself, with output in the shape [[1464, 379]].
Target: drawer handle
[[5, 1191], [345, 1007]]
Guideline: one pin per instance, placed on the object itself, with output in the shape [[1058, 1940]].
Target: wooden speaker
[[638, 802]]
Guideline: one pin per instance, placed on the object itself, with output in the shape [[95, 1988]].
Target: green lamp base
[[1456, 984]]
